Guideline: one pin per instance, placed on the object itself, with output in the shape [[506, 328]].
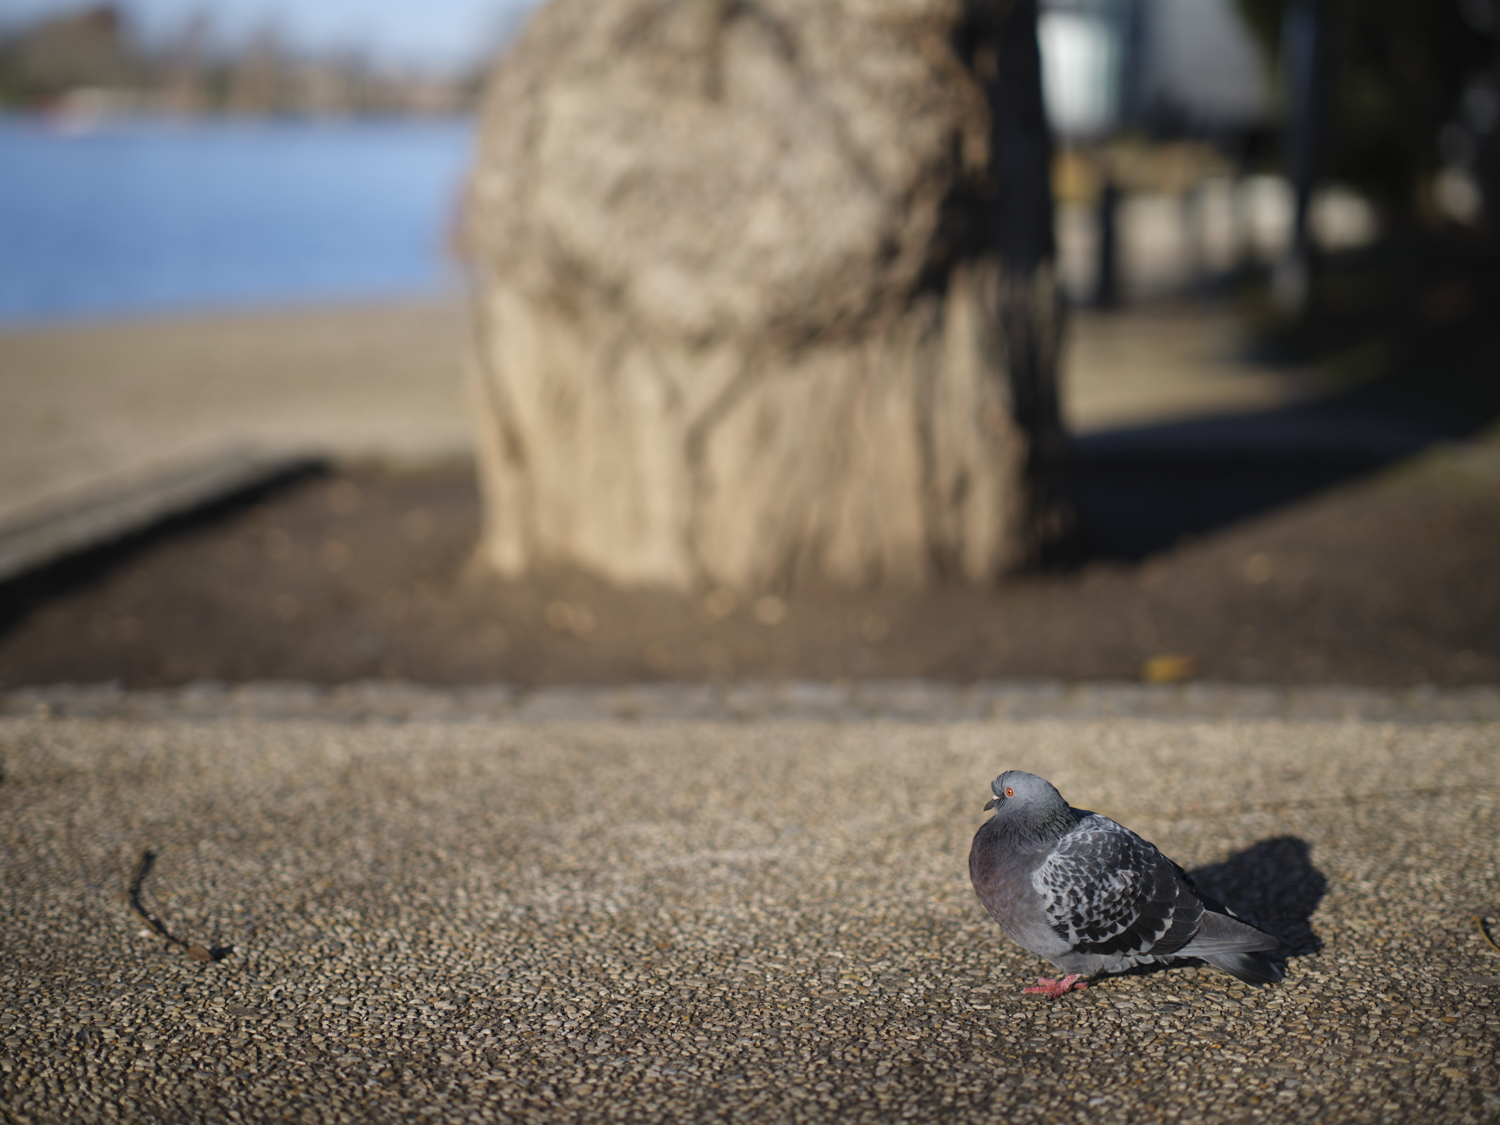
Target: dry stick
[[195, 951]]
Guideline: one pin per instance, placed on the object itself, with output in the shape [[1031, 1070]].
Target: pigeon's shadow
[[1274, 885]]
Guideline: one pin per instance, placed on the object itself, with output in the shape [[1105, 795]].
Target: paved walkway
[[90, 402], [440, 904], [110, 426]]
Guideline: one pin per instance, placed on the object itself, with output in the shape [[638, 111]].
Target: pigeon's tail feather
[[1220, 934], [1252, 968], [1236, 947]]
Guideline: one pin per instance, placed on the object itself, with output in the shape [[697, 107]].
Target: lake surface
[[155, 216]]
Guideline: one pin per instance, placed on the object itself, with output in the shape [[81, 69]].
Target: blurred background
[[141, 137], [168, 154], [232, 317], [163, 155]]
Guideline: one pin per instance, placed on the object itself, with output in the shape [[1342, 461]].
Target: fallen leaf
[[1169, 669]]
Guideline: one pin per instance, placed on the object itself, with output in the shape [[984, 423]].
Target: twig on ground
[[194, 950]]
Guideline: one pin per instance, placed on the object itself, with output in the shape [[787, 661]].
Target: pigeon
[[1093, 897]]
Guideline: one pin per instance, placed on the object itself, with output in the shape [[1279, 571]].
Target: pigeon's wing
[[1106, 891]]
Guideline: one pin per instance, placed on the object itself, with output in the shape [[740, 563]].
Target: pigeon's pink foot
[[1052, 989]]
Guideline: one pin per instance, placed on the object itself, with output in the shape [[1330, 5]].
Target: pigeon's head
[[1028, 802], [1023, 789]]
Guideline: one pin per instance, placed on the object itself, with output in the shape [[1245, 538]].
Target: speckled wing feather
[[1108, 892]]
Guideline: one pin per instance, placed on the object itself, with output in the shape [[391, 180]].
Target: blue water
[[153, 216]]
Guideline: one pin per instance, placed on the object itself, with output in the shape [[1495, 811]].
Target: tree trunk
[[765, 294]]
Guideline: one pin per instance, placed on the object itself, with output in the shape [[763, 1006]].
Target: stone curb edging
[[137, 502], [918, 701]]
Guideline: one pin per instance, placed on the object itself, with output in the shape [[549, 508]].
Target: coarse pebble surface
[[466, 918]]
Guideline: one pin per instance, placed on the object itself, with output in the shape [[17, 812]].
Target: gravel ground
[[689, 920]]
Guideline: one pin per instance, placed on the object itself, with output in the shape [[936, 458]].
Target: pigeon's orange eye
[[1009, 792]]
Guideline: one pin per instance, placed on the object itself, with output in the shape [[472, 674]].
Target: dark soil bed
[[1388, 579]]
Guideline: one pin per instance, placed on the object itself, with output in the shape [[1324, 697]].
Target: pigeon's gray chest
[[1004, 878]]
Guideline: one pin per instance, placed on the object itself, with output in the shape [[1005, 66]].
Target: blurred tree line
[[1412, 92], [90, 59], [1410, 104]]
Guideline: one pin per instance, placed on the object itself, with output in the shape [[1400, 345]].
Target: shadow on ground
[[1273, 884], [1141, 490]]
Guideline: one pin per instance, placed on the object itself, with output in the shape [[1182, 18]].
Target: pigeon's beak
[[991, 803]]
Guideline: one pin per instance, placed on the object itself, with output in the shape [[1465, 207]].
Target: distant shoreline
[[331, 308], [104, 118]]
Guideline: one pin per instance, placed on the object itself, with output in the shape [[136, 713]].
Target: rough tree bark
[[765, 293]]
